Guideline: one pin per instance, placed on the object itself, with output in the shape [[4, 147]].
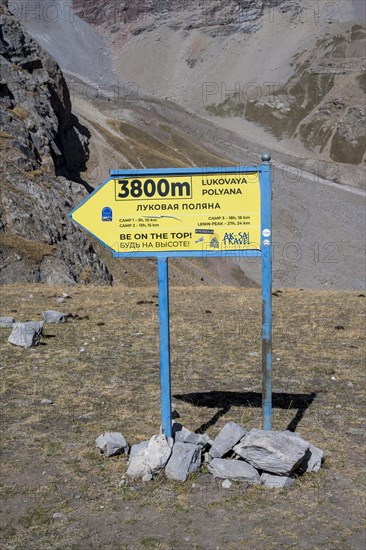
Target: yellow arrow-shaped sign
[[147, 212]]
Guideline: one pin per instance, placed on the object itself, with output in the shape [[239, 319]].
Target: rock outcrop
[[215, 17], [43, 152], [310, 94]]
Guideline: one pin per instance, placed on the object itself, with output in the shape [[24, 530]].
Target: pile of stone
[[271, 458], [28, 334]]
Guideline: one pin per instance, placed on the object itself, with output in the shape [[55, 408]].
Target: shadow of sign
[[224, 400]]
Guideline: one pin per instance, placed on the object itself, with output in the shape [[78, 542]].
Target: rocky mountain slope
[[216, 17], [43, 150], [45, 163], [288, 74], [318, 224]]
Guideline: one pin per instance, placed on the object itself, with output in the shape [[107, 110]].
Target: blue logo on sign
[[107, 214]]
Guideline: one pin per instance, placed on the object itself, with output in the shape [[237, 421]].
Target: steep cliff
[[215, 17], [43, 151]]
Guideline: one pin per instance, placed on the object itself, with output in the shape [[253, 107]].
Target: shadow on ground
[[224, 400]]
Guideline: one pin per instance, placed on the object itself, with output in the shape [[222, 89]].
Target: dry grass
[[5, 135], [173, 150], [20, 112], [142, 148], [33, 250], [37, 173], [154, 155], [49, 463]]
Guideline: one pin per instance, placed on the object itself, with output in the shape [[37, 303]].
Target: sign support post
[[188, 212], [163, 292], [266, 248]]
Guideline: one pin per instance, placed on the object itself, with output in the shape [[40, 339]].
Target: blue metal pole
[[163, 288], [266, 250]]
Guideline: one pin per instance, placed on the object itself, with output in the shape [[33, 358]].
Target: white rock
[[26, 334], [111, 443], [46, 402], [6, 322], [230, 434], [226, 484], [239, 470], [272, 451], [52, 316], [138, 448], [276, 482], [183, 435], [207, 458], [138, 467], [85, 416], [58, 516], [185, 459], [313, 459], [157, 452]]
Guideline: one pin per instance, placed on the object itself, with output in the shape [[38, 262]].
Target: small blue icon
[[107, 214]]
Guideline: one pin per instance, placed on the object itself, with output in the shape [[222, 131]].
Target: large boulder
[[271, 451]]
